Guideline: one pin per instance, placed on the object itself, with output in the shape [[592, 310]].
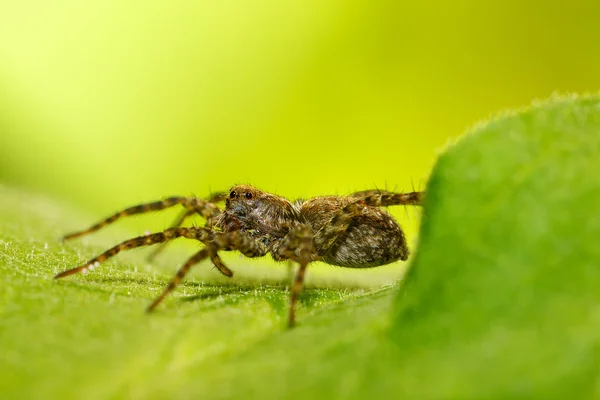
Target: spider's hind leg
[[383, 198], [206, 208]]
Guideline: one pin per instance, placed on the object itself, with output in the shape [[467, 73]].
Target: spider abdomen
[[373, 238], [365, 236]]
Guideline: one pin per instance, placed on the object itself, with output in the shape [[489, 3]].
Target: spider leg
[[296, 289], [206, 208], [365, 193], [224, 241], [197, 233], [181, 272], [215, 198], [177, 223], [297, 245], [220, 265], [382, 198]]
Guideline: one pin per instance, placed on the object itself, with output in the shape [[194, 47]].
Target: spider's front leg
[[297, 245], [201, 234], [214, 241], [206, 208], [222, 241]]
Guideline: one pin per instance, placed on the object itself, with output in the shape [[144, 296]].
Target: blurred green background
[[105, 104]]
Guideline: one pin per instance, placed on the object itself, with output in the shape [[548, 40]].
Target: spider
[[348, 231]]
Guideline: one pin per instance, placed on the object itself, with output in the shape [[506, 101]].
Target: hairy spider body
[[349, 234], [348, 231]]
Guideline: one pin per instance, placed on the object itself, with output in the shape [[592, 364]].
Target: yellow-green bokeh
[[106, 103]]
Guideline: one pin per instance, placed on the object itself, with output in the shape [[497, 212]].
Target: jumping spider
[[348, 231]]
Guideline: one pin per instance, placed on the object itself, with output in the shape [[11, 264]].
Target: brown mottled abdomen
[[359, 237]]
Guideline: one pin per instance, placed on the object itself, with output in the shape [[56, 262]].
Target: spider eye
[[248, 195], [232, 194]]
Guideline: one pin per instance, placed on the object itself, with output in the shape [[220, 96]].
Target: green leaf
[[89, 337], [501, 300], [503, 297]]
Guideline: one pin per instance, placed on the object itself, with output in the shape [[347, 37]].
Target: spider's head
[[242, 194], [250, 209]]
